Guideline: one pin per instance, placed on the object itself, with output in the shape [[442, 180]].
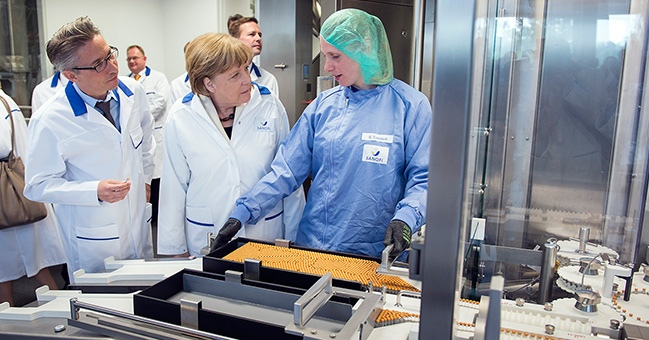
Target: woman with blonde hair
[[219, 141]]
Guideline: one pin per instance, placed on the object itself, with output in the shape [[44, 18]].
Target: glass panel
[[20, 68], [582, 63], [556, 88]]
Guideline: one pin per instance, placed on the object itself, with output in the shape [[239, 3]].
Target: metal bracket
[[210, 239], [189, 313], [282, 243], [361, 321], [233, 276], [312, 300], [386, 265], [251, 269]]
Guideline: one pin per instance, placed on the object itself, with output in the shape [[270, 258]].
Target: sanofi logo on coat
[[375, 154], [263, 125]]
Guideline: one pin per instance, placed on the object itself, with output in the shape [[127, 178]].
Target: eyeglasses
[[101, 65]]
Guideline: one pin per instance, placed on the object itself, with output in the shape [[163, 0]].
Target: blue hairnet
[[361, 37]]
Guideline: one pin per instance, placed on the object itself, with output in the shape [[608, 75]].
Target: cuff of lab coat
[[241, 213], [95, 186], [407, 214]]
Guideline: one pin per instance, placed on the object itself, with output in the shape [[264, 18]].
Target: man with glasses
[[156, 87], [89, 152]]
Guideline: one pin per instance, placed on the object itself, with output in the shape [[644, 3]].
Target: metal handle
[[76, 305], [547, 270], [314, 298], [406, 293], [280, 66], [584, 233], [417, 43]]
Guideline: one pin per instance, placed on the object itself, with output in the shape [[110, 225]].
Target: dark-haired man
[[89, 152]]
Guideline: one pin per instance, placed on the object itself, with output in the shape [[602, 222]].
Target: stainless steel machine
[[539, 122]]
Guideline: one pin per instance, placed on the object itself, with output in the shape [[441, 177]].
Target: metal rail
[[76, 305]]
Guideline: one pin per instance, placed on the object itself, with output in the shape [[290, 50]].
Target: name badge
[[377, 138], [263, 125], [375, 154]]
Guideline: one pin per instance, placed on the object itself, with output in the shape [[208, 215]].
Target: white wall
[[161, 27], [122, 23], [188, 19]]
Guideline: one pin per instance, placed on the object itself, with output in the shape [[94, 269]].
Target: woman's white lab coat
[[25, 249], [204, 172], [71, 148]]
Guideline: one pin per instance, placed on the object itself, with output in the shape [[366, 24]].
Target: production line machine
[[250, 289], [217, 298]]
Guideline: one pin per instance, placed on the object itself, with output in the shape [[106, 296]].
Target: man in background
[[180, 86], [233, 18], [156, 87], [247, 30]]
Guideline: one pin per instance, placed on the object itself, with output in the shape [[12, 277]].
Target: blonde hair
[[211, 54]]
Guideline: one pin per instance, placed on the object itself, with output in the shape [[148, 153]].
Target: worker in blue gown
[[366, 142]]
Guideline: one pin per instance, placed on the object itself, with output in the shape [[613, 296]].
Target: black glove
[[226, 233], [399, 233]]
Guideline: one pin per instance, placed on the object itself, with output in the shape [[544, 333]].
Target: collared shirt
[[146, 71], [114, 104]]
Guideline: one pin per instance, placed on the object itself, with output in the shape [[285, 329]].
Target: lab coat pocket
[[96, 243], [199, 224], [136, 137]]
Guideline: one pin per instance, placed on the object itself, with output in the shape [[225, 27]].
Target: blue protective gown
[[368, 152]]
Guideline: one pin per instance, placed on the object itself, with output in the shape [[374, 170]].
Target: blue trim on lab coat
[[254, 68], [55, 79], [188, 97], [262, 89]]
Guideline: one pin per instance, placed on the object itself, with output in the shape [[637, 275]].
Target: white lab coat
[[47, 88], [25, 249], [264, 78], [179, 88], [156, 87], [71, 148], [204, 172]]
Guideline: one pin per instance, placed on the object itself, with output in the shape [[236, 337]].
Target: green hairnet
[[361, 37]]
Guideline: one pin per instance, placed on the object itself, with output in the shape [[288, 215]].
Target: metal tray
[[232, 306]]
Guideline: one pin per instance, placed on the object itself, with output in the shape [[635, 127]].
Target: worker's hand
[[226, 233], [112, 191], [147, 188], [399, 233]]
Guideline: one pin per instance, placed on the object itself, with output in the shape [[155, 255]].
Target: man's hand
[[226, 233], [147, 188], [112, 191], [399, 233]]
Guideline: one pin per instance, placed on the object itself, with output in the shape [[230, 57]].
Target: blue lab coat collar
[[79, 106]]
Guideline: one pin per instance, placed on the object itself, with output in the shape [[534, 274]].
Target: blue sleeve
[[290, 167], [412, 208]]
